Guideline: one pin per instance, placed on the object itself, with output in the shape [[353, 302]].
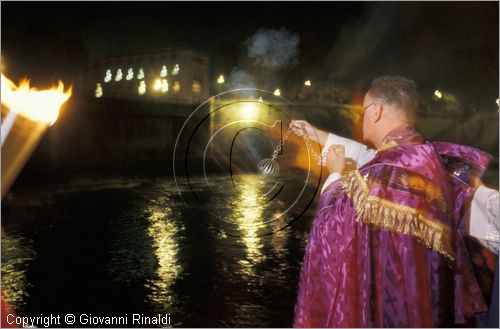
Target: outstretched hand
[[335, 160], [301, 127]]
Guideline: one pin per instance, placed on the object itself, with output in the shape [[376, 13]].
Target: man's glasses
[[367, 106], [358, 113]]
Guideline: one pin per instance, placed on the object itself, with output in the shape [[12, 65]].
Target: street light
[[221, 79], [308, 83], [277, 92], [438, 94]]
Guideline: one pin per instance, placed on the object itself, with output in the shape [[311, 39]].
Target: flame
[[33, 104]]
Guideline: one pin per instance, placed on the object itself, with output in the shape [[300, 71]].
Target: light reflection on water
[[14, 283], [155, 255], [251, 213], [248, 216], [163, 232]]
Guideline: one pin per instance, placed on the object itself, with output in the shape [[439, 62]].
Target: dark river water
[[116, 246]]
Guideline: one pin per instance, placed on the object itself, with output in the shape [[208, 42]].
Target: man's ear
[[377, 112]]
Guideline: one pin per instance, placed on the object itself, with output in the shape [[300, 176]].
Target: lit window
[[176, 69], [119, 75], [130, 74], [163, 72], [142, 88], [157, 85], [164, 86], [98, 91], [438, 94], [140, 75], [196, 87], [108, 76], [176, 87]]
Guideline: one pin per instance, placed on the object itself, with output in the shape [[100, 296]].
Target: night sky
[[453, 46]]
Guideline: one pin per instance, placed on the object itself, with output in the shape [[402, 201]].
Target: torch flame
[[33, 104]]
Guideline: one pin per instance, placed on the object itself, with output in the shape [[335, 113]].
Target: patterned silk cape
[[386, 246]]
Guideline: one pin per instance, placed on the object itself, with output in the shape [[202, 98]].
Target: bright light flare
[[36, 105], [438, 94], [249, 112], [277, 92], [307, 83], [221, 79], [498, 104], [29, 114]]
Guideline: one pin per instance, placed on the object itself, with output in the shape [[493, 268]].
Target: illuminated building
[[319, 91], [184, 70]]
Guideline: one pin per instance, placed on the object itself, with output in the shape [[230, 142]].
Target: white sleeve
[[484, 221], [360, 153], [329, 180]]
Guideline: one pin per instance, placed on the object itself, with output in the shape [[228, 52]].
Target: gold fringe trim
[[395, 217]]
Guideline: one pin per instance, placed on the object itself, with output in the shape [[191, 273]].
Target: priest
[[386, 247]]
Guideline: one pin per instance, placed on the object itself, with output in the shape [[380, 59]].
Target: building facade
[[172, 75]]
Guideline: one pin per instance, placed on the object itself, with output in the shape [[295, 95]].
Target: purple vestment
[[386, 247]]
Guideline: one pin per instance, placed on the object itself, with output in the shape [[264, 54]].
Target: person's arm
[[358, 152], [329, 180], [484, 220], [301, 127], [335, 162]]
